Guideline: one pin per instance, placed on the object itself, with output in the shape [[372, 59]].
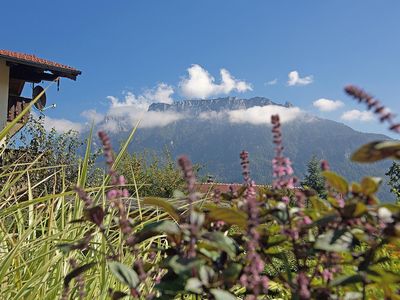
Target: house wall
[[4, 83]]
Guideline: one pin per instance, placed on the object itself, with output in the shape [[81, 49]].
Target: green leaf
[[324, 220], [194, 285], [170, 285], [376, 151], [228, 215], [232, 272], [319, 205], [352, 296], [85, 164], [167, 227], [197, 218], [177, 194], [348, 279], [164, 204], [181, 265], [205, 274], [360, 209], [116, 295], [276, 240], [124, 274], [355, 187], [222, 242], [77, 272], [335, 241], [164, 226], [370, 185], [222, 294], [378, 274], [336, 181]]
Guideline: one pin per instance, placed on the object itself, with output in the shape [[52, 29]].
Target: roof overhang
[[31, 68]]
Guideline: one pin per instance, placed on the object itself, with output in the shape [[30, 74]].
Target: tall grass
[[32, 265]]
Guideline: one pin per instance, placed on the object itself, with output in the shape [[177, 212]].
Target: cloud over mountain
[[262, 114], [130, 110], [92, 116], [255, 115], [357, 115]]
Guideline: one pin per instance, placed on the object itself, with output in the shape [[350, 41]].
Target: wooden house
[[16, 69]]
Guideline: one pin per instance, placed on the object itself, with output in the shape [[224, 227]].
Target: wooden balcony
[[16, 105]]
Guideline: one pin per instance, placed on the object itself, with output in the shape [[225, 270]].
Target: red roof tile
[[223, 187], [31, 59]]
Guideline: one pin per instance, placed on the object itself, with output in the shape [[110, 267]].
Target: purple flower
[[84, 196], [108, 154], [251, 277], [117, 193], [282, 166], [383, 114], [188, 175], [303, 286], [327, 275]]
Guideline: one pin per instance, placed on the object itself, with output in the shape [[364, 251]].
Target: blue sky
[[134, 46]]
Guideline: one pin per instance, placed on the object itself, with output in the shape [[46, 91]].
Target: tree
[[394, 180], [51, 157], [155, 175], [314, 179]]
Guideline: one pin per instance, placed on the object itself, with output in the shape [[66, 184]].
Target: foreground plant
[[282, 242]]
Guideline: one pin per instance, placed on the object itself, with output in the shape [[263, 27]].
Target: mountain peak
[[218, 104]]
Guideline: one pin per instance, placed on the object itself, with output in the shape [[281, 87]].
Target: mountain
[[215, 142], [195, 107]]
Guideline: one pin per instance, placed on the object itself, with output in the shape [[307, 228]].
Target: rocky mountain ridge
[[217, 105]]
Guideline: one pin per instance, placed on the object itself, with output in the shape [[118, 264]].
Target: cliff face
[[221, 104]]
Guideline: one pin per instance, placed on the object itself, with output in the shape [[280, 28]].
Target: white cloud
[[92, 116], [61, 125], [161, 93], [295, 79], [200, 84], [255, 115], [212, 115], [327, 105], [357, 115], [262, 114], [125, 113], [272, 82]]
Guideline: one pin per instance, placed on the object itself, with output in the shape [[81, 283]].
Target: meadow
[[69, 230]]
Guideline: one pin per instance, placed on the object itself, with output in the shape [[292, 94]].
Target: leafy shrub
[[53, 154], [284, 242], [153, 175]]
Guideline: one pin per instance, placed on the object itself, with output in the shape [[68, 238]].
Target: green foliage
[[55, 154], [99, 241], [154, 176], [330, 248], [314, 179], [394, 180]]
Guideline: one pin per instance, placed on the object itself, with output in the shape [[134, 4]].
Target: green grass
[[31, 264]]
